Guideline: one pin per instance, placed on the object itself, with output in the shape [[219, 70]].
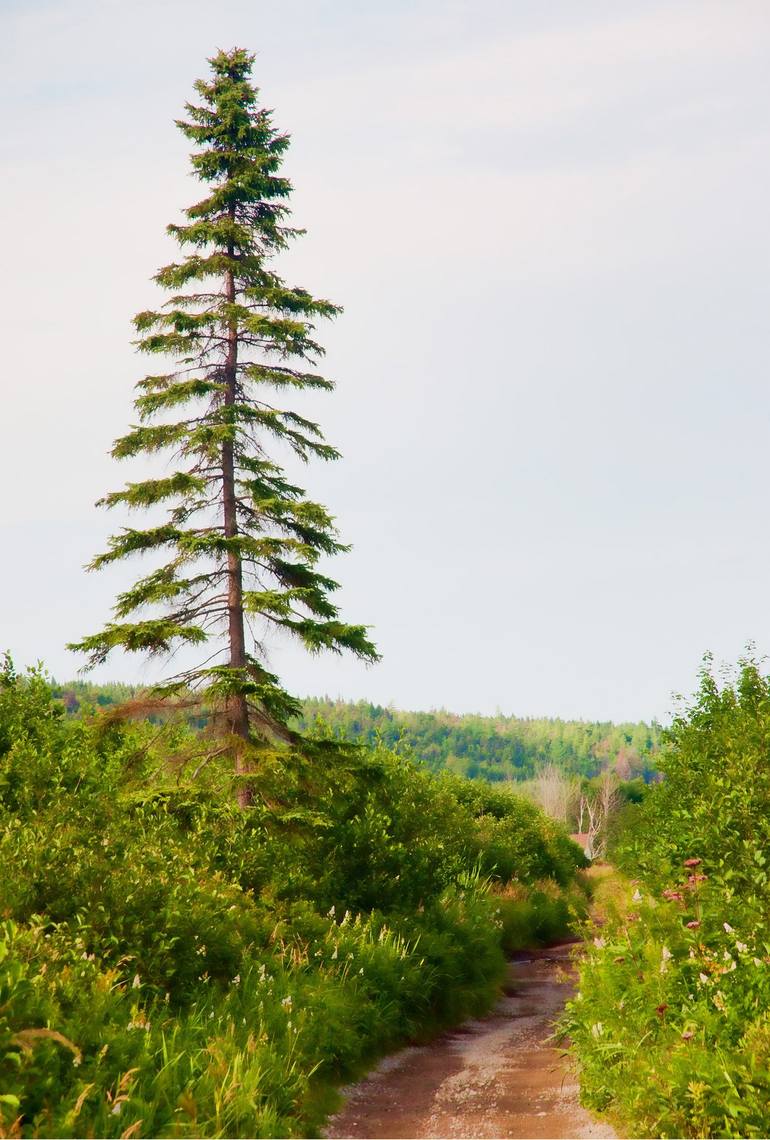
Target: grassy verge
[[671, 1024], [172, 966]]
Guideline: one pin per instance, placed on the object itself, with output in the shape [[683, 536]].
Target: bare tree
[[556, 793], [595, 812]]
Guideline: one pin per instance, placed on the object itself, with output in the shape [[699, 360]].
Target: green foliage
[[492, 748], [171, 965], [671, 1026]]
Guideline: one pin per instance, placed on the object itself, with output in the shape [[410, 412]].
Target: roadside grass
[[671, 1020], [173, 966]]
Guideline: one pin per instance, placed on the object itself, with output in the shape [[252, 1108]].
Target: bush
[[671, 1022], [171, 965]]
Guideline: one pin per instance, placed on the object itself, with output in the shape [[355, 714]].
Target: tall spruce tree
[[240, 542]]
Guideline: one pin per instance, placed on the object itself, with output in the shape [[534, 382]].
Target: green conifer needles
[[240, 541]]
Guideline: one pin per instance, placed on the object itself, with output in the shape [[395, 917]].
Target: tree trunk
[[237, 709]]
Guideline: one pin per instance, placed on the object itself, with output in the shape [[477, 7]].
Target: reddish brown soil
[[495, 1077]]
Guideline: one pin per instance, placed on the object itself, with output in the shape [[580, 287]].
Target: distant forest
[[480, 747], [494, 748]]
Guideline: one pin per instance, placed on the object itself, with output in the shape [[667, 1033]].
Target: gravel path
[[495, 1077]]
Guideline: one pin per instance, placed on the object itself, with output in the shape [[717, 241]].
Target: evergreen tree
[[239, 541]]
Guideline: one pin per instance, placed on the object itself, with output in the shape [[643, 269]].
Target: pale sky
[[548, 225]]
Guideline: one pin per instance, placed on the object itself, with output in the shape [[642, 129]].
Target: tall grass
[[171, 966], [671, 1023]]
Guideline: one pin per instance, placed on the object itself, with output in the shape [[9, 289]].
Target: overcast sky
[[548, 225]]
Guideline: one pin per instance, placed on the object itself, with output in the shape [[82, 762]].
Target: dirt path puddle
[[495, 1077]]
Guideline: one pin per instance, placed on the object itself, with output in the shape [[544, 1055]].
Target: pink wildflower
[[673, 896]]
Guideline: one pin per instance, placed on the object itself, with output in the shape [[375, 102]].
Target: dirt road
[[495, 1077]]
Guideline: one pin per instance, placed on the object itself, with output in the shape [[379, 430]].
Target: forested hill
[[494, 748], [481, 747]]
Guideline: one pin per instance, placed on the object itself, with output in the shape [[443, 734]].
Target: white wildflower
[[637, 895], [727, 927], [600, 943], [597, 1029], [136, 982]]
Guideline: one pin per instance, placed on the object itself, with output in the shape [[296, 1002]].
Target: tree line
[[493, 748]]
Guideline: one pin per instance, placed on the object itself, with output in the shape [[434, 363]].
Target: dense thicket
[[493, 748], [672, 1026], [171, 965]]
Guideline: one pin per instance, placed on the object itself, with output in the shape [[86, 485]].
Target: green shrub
[[671, 1022], [171, 965]]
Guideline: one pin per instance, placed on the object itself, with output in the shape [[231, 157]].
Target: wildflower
[[600, 943], [236, 980], [726, 926], [757, 961], [688, 1035], [661, 1009], [331, 912], [666, 954], [703, 978], [719, 1001], [361, 970], [597, 1029], [336, 952], [694, 924], [115, 1111], [741, 947], [136, 982], [637, 895], [673, 896], [692, 862], [286, 1002]]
